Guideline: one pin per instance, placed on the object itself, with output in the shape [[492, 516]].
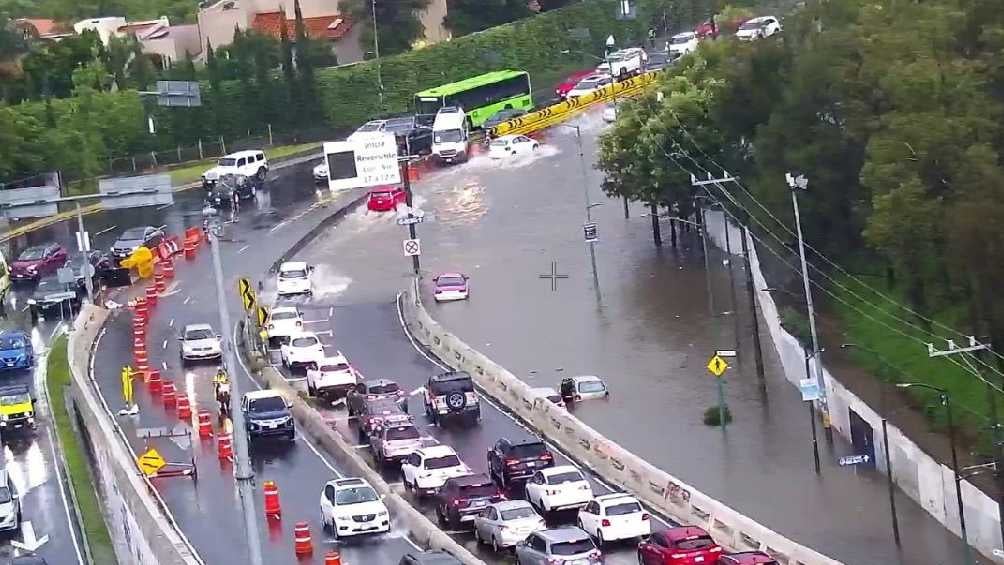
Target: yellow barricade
[[563, 110]]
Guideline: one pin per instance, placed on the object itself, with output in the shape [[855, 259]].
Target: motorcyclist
[[221, 382]]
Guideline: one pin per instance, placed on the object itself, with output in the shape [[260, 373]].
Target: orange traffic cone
[[159, 283], [153, 380], [168, 394], [271, 490], [302, 544], [333, 558], [151, 295], [224, 447], [205, 424], [184, 408]]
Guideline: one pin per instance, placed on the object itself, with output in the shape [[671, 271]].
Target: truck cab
[[451, 139]]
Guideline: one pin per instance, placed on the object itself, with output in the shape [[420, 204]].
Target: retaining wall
[[917, 474], [420, 529], [138, 521], [657, 489]]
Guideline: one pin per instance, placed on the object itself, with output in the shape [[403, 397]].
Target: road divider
[[657, 488], [565, 109], [311, 423]]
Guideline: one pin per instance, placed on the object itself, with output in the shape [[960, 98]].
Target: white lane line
[[243, 249], [164, 365], [187, 298], [361, 446], [164, 346], [324, 332], [171, 323], [331, 312], [515, 420], [106, 230], [279, 225], [307, 442]]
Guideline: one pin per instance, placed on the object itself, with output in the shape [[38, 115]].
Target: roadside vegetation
[[74, 454], [892, 111]]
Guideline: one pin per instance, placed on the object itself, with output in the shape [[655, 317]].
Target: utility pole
[[796, 184], [406, 179], [243, 475], [84, 243], [732, 285], [376, 53], [589, 205], [757, 352]]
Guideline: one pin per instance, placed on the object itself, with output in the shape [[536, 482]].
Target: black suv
[[460, 499], [266, 414], [222, 193], [451, 395], [513, 460], [133, 238], [431, 557]]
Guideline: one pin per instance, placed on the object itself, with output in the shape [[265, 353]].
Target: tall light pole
[[589, 205], [376, 53], [946, 401], [243, 475], [85, 246], [796, 184]]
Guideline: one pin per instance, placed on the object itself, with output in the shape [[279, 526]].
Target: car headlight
[[32, 301]]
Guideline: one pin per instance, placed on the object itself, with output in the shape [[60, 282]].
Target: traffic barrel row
[[151, 295], [168, 394], [302, 543], [154, 381], [224, 446], [183, 407], [205, 424]]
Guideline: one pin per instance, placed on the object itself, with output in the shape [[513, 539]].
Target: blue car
[[15, 350]]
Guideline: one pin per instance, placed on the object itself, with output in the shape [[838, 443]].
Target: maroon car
[[35, 262], [462, 498], [747, 558], [569, 83]]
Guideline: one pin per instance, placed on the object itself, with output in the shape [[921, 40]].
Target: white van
[[247, 163], [451, 139]]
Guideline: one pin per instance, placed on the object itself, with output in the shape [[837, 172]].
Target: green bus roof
[[469, 83]]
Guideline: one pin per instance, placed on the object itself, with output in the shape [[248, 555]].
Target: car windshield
[[32, 254], [517, 513], [268, 404], [200, 333], [293, 274], [616, 57], [623, 508], [11, 342], [283, 316], [449, 136], [450, 281], [331, 368], [475, 491], [382, 193], [555, 398], [443, 462], [134, 233], [588, 83], [592, 386], [697, 542], [15, 398], [527, 450], [371, 126], [4, 495], [566, 477], [681, 39], [751, 25], [386, 388], [572, 547], [308, 341], [403, 432], [227, 162], [499, 142], [399, 124], [355, 495], [446, 387]]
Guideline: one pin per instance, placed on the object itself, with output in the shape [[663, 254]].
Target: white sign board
[[370, 159], [809, 389], [412, 247], [853, 460]]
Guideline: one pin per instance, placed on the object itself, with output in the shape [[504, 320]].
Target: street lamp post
[[946, 401], [589, 205], [812, 414], [376, 54]]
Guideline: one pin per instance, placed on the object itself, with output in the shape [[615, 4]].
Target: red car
[[706, 30], [570, 82], [685, 545], [385, 198], [35, 262], [747, 558]]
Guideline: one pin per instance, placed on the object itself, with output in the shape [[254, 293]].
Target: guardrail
[[656, 488], [563, 110]]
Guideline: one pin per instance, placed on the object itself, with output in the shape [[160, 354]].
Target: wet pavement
[[645, 328]]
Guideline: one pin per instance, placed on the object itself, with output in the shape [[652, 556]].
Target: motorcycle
[[223, 399]]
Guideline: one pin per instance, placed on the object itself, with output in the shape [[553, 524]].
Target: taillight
[[605, 523], [512, 461], [461, 503], [645, 516], [678, 555]]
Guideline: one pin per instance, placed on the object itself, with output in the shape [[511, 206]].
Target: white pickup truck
[[624, 63], [332, 378]]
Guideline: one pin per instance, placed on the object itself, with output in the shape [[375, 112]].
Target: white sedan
[[614, 517], [351, 507], [321, 173], [558, 488], [303, 349], [293, 278], [426, 469], [511, 146], [588, 85], [199, 341]]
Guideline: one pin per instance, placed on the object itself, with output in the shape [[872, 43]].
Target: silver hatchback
[[567, 546], [506, 523]]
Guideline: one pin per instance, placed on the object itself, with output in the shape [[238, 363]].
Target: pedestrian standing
[[651, 38]]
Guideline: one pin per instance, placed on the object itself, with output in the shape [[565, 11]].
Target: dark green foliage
[[713, 416], [397, 22]]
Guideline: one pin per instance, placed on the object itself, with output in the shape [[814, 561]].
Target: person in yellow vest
[[221, 382], [127, 392]]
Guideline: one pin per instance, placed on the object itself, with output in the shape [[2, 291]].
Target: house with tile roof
[[41, 29], [167, 43]]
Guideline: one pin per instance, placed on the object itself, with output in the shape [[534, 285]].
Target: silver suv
[[10, 503], [559, 546]]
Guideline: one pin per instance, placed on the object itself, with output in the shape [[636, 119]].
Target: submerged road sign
[[717, 365]]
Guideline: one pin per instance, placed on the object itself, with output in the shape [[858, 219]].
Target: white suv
[[558, 488], [282, 322], [426, 469], [303, 349], [683, 43], [247, 163], [758, 28], [624, 63], [293, 278], [351, 507]]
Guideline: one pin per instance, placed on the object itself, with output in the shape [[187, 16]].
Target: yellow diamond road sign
[[151, 462], [246, 293], [717, 366]]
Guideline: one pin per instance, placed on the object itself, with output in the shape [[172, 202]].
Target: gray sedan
[[560, 546], [506, 523]]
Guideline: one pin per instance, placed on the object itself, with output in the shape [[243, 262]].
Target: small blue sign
[[809, 389], [853, 460]]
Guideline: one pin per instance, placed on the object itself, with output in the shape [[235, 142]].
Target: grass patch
[[192, 172], [713, 415], [57, 383], [894, 357]]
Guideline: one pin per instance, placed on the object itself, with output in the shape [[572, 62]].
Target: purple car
[[451, 286]]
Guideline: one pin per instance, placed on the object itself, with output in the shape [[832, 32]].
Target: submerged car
[[15, 350], [385, 198], [38, 261], [451, 286], [321, 173], [511, 146], [569, 83], [583, 387]]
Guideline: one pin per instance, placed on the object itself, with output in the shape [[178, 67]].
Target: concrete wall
[[918, 474], [659, 490], [138, 520]]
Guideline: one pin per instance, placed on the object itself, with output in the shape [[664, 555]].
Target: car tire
[[262, 173], [440, 518], [534, 147], [599, 538], [291, 437], [407, 485], [254, 192], [311, 391], [495, 545], [641, 560], [477, 537]]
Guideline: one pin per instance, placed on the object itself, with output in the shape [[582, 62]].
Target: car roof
[[246, 153], [564, 534], [189, 327], [461, 275], [380, 382], [334, 359], [380, 403], [471, 480], [303, 334], [436, 451], [259, 394], [684, 34], [559, 469], [684, 532], [451, 376], [434, 557], [281, 309], [511, 505], [523, 441], [615, 497], [293, 266], [349, 482], [586, 379], [758, 19]]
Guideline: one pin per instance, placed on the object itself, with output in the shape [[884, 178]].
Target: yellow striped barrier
[[561, 111]]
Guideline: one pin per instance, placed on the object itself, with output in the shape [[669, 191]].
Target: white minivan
[[247, 163], [451, 139]]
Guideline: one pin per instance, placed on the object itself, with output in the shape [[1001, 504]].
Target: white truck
[[451, 139], [624, 63], [332, 378]]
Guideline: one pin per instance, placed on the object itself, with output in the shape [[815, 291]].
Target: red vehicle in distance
[[685, 545], [385, 198], [569, 83], [747, 558], [35, 262], [706, 30]]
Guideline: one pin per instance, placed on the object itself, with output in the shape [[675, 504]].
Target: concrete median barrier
[[421, 530], [139, 522], [656, 488]]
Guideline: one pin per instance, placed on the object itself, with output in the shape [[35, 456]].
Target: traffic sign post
[[717, 367], [412, 247], [590, 232], [151, 462], [246, 292]]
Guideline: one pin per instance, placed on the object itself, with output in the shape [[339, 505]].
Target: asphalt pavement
[[645, 328]]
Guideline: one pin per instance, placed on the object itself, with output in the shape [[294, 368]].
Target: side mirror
[[289, 405], [466, 277], [181, 338], [218, 336]]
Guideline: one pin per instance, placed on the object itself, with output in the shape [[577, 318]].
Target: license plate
[[479, 503], [271, 426], [698, 559]]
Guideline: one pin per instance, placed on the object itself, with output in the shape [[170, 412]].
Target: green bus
[[480, 97]]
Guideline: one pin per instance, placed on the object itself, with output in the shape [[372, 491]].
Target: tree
[[467, 16], [289, 73], [305, 66], [398, 22]]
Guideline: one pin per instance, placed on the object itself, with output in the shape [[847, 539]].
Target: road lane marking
[[171, 323], [106, 230], [331, 312], [243, 249], [164, 346], [187, 298], [277, 226], [361, 446], [325, 332]]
